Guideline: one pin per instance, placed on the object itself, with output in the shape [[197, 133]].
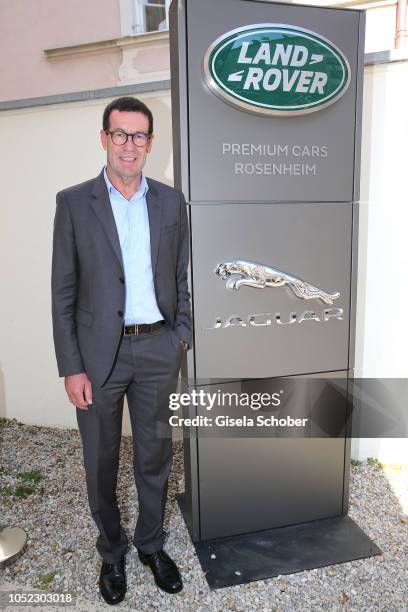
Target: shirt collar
[[139, 194]]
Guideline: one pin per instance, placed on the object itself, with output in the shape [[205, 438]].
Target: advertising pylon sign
[[267, 102]]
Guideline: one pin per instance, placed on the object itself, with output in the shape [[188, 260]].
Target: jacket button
[[120, 313], [122, 280]]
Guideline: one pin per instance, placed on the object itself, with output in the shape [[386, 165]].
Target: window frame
[[133, 16], [166, 7]]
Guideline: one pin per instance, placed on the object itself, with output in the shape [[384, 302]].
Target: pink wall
[[30, 26]]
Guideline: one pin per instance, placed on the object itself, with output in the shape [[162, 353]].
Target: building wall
[[61, 148], [380, 27], [383, 254], [382, 333], [29, 27]]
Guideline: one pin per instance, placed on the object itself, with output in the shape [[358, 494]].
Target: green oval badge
[[276, 69]]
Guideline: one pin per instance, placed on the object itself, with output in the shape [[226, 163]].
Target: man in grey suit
[[121, 320]]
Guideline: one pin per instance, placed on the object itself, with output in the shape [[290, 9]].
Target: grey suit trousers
[[145, 370]]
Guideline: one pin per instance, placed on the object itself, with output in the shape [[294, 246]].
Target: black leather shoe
[[112, 581], [165, 572]]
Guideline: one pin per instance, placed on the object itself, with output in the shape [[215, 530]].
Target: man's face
[[126, 161]]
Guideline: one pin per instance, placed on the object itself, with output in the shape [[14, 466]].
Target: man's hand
[[79, 390], [184, 345]]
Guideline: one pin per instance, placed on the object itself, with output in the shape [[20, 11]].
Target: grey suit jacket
[[88, 289]]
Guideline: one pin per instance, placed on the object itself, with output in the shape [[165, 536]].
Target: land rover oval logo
[[276, 69]]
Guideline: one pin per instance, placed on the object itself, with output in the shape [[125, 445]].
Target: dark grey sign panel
[[287, 479], [286, 482], [236, 155], [262, 328]]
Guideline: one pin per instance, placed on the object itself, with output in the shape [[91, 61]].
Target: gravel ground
[[61, 557]]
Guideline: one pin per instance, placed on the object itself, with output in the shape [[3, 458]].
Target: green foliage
[[43, 581], [356, 462], [7, 491], [374, 462], [26, 486], [23, 491], [5, 422], [32, 476]]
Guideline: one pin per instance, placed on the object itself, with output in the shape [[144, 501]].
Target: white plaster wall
[[383, 254], [382, 331], [44, 150]]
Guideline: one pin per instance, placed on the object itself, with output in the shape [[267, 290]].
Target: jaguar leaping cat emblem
[[239, 273]]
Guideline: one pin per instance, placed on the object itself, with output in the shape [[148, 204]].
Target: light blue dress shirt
[[132, 222]]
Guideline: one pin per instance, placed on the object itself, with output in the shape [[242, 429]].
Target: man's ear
[[104, 138], [149, 146]]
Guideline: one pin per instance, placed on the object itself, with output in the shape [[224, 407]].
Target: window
[[155, 15], [139, 16]]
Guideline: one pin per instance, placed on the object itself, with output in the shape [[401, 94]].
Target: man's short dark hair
[[127, 104]]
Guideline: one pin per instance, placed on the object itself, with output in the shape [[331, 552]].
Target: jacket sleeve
[[64, 280], [182, 324]]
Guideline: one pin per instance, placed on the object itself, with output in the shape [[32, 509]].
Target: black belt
[[141, 328]]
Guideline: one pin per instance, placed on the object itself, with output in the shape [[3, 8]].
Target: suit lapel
[[154, 210], [102, 208]]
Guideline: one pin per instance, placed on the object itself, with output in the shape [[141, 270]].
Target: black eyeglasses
[[120, 138]]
